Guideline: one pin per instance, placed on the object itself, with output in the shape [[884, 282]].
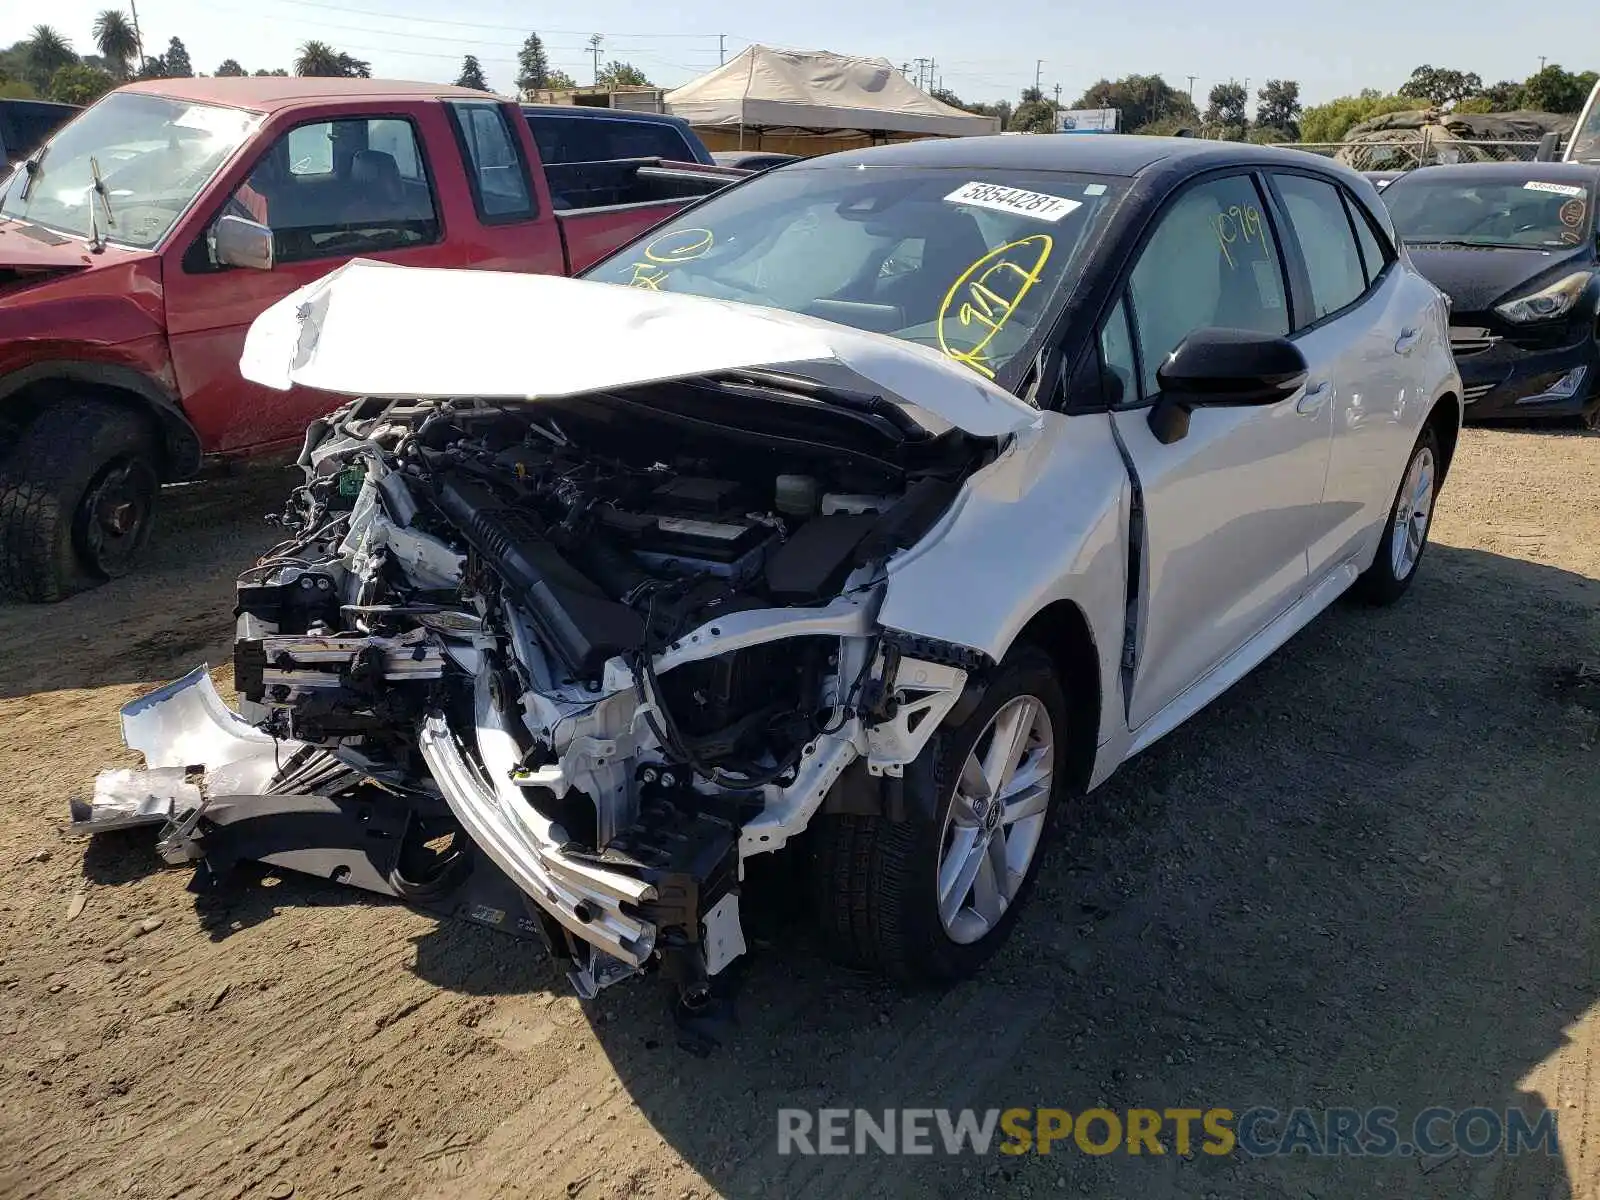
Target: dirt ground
[[1368, 875]]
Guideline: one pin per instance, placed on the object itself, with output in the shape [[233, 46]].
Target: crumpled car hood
[[373, 329]]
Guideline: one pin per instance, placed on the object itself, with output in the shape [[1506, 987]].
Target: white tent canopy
[[765, 88]]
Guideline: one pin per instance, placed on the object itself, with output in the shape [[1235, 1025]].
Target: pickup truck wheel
[[77, 494], [929, 899], [1405, 535]]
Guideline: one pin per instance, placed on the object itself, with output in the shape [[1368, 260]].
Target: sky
[[980, 51]]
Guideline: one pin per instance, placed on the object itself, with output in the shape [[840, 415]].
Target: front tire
[[77, 498], [929, 899], [1405, 536]]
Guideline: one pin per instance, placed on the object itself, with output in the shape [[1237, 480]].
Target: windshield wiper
[[31, 167], [97, 241]]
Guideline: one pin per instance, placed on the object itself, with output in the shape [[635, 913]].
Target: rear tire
[[1405, 534], [77, 497], [876, 882]]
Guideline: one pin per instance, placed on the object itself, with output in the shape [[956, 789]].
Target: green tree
[[1331, 121], [79, 83], [1034, 114], [1140, 99], [354, 68], [178, 64], [317, 58], [621, 74], [1278, 107], [1225, 111], [1441, 86], [533, 65], [1553, 90], [472, 74], [155, 67], [560, 81], [276, 72], [230, 69], [48, 52], [118, 42], [1505, 96]]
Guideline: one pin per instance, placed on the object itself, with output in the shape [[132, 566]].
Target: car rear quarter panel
[[1046, 521]]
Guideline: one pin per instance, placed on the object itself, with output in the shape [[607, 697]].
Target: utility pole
[[922, 68], [1058, 97], [1038, 75], [722, 53], [1541, 62], [933, 64], [139, 37], [594, 48], [1191, 89]]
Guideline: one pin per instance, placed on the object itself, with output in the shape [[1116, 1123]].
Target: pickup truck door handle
[[1407, 339], [1313, 399]]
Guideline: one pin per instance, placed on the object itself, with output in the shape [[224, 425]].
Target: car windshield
[[154, 155], [1490, 212], [967, 261]]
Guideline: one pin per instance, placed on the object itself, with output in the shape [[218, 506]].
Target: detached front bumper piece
[[224, 792]]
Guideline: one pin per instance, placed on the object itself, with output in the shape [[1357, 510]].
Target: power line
[[523, 29]]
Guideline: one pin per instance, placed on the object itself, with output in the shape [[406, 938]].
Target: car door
[[1362, 322], [1229, 508], [331, 188]]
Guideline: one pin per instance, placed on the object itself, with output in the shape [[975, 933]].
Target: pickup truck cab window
[[578, 139], [1212, 261], [336, 188], [495, 170]]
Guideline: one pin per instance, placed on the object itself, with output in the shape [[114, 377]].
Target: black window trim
[[668, 127], [1300, 255], [197, 258], [453, 108], [1357, 211], [1122, 294]]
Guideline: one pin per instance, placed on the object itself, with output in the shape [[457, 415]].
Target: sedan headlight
[[1551, 302]]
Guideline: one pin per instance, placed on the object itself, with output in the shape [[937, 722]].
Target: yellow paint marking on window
[[669, 250], [989, 291], [1239, 221]]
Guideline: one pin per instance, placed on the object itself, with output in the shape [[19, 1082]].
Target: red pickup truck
[[137, 245]]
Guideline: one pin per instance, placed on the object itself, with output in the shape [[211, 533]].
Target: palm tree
[[318, 58], [48, 52], [118, 41]]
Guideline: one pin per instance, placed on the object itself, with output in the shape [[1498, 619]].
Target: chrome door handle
[[1407, 339], [1312, 400]]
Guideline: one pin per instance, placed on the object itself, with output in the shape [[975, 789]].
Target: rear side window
[[597, 139], [495, 169], [1326, 240], [1372, 254]]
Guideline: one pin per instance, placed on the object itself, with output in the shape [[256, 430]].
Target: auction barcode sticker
[[1560, 189], [1038, 205]]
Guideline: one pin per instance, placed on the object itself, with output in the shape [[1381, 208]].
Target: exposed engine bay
[[561, 667]]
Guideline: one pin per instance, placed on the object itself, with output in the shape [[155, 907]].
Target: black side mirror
[[1216, 368]]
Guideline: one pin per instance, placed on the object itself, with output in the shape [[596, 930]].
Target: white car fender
[[1048, 518]]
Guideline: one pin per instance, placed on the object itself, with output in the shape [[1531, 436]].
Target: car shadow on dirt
[[1365, 877]]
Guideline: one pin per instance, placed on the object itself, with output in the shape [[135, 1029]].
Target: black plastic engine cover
[[815, 560]]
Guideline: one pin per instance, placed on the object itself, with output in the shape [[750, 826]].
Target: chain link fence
[[1405, 150]]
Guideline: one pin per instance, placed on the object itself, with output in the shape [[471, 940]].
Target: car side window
[[1119, 367], [1372, 251], [499, 182], [336, 188], [1212, 261], [1328, 244]]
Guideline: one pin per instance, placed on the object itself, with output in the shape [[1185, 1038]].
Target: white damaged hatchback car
[[875, 505]]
